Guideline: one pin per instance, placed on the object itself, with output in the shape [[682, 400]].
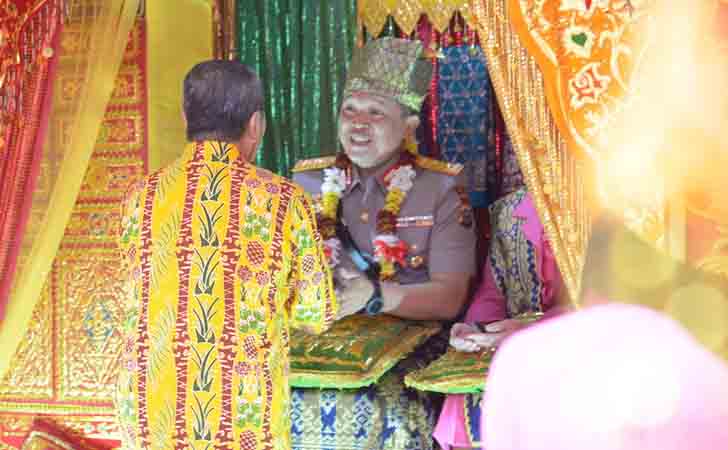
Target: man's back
[[221, 257]]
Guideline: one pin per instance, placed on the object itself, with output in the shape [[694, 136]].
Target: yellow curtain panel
[[179, 35], [104, 27]]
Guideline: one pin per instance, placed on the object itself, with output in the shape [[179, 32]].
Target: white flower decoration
[[402, 178], [334, 181]]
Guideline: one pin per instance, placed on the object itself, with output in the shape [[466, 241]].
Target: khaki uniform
[[436, 222]]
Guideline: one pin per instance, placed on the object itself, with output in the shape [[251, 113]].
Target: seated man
[[520, 277], [408, 212]]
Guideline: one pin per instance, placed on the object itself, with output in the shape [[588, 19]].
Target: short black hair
[[220, 97]]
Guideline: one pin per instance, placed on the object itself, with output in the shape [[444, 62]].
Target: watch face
[[374, 306]]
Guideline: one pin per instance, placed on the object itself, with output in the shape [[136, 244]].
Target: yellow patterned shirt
[[221, 258]]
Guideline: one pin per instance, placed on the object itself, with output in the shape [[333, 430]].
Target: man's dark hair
[[220, 97]]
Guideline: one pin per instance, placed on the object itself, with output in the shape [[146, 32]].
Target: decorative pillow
[[45, 435], [458, 372], [453, 373], [355, 352]]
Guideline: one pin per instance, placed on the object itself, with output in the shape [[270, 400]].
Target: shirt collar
[[358, 179], [215, 151]]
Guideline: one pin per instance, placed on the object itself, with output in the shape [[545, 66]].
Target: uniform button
[[364, 217]]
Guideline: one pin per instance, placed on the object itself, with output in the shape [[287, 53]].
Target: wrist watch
[[376, 302]]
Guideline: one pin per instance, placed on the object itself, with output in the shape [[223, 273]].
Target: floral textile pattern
[[587, 50]]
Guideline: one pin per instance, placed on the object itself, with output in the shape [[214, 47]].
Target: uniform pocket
[[416, 269]]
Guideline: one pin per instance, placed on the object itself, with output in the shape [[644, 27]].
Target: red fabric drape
[[28, 36]]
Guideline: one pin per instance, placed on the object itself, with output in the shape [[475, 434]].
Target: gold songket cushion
[[459, 372], [453, 373], [355, 352]]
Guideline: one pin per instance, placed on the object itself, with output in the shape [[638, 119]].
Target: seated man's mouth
[[359, 139]]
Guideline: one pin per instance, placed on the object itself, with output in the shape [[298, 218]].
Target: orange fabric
[[583, 48]]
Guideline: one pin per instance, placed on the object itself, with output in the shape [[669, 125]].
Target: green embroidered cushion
[[458, 372], [453, 373], [355, 352]]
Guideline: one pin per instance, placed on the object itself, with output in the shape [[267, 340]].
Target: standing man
[[410, 214], [221, 258]]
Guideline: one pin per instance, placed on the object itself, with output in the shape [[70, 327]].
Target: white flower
[[334, 181], [402, 178]]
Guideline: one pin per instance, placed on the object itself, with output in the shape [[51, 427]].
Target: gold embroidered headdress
[[391, 68]]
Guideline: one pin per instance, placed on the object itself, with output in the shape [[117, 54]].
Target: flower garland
[[389, 250]]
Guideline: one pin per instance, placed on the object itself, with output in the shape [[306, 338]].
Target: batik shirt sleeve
[[313, 304], [130, 277]]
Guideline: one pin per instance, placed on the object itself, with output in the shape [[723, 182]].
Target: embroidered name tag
[[414, 221]]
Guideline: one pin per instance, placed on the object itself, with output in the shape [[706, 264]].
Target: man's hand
[[353, 289], [353, 296]]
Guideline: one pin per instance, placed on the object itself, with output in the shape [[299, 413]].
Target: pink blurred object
[[611, 377]]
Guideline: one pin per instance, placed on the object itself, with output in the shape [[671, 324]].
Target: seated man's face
[[371, 129]]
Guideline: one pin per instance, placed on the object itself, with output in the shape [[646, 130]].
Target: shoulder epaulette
[[438, 166], [314, 164]]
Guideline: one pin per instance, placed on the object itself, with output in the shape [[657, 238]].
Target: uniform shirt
[[435, 220], [220, 259]]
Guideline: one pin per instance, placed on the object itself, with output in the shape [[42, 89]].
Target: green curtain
[[300, 49]]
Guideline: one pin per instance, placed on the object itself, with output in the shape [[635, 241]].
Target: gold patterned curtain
[[559, 172], [96, 33]]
